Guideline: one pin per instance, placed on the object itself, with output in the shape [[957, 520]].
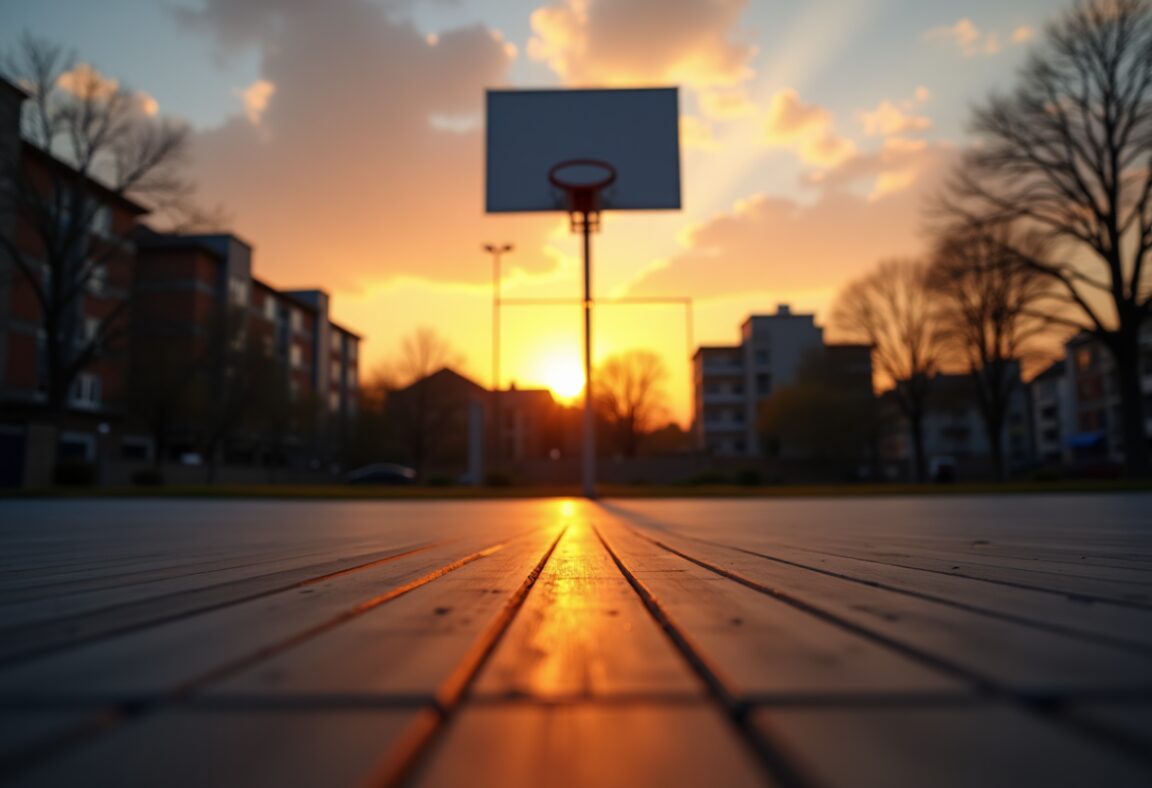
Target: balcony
[[720, 368], [723, 398]]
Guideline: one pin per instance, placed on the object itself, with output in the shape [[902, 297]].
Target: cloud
[[972, 41], [367, 163], [148, 105], [85, 82], [696, 133], [726, 103], [634, 42], [807, 129], [255, 98], [899, 164], [892, 118], [1023, 34], [781, 246]]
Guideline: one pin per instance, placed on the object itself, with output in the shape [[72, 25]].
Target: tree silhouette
[[891, 309], [629, 397], [107, 148], [1068, 153], [988, 312], [426, 409]]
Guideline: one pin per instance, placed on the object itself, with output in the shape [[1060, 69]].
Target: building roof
[[147, 238], [710, 348], [1053, 370], [12, 87], [446, 376], [344, 330], [46, 158]]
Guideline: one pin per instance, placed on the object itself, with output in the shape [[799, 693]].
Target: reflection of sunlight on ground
[[622, 642]]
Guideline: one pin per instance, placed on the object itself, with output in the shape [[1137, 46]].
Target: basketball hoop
[[582, 181]]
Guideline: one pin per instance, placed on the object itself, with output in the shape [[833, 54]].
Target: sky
[[344, 140]]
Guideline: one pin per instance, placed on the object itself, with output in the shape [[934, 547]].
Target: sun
[[564, 377]]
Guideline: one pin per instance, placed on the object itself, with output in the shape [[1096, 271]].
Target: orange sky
[[345, 139]]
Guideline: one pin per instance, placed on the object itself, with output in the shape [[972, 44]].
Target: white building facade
[[731, 381]]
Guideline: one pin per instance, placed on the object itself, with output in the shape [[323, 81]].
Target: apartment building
[[1094, 432], [1053, 416], [87, 307], [956, 441], [731, 381], [200, 316]]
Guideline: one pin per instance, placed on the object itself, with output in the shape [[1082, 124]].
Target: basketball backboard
[[636, 130]]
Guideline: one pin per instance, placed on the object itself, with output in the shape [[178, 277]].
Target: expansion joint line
[[118, 714], [1043, 705], [406, 757], [204, 608], [770, 758]]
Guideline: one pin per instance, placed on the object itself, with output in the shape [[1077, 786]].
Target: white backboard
[[635, 130]]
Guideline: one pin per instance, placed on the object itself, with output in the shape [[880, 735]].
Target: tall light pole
[[497, 251]]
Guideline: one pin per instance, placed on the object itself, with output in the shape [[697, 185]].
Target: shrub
[[148, 477], [707, 477], [750, 477], [497, 479], [75, 473]]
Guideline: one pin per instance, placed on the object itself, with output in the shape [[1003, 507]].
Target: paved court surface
[[977, 641]]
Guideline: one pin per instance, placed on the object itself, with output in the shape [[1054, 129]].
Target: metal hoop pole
[[589, 464]]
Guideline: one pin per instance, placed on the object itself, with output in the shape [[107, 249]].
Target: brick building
[[168, 348], [228, 368], [63, 317]]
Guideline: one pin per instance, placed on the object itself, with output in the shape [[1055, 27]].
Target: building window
[[102, 222], [763, 384], [334, 401], [1084, 358], [269, 306], [297, 320], [336, 341], [762, 357], [98, 279], [77, 446], [238, 291], [135, 448], [295, 357], [86, 391], [334, 371], [352, 378]]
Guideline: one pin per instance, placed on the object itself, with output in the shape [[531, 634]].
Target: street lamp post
[[497, 251]]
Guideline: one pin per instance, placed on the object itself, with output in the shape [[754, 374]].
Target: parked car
[[381, 473]]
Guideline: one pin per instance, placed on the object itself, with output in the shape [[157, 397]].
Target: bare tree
[[425, 407], [891, 310], [1069, 153], [630, 397], [423, 352], [99, 147], [989, 302], [827, 414]]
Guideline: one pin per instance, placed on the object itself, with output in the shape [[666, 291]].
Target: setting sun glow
[[565, 377]]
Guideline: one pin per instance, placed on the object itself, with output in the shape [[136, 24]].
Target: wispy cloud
[[256, 97], [615, 42], [971, 40], [807, 129]]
